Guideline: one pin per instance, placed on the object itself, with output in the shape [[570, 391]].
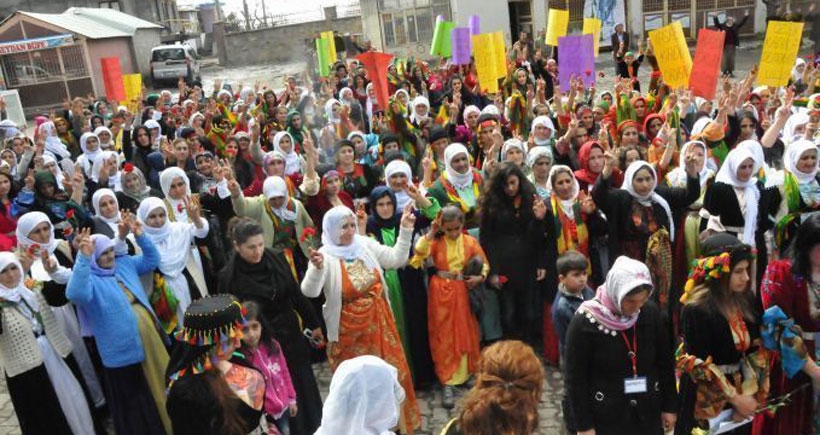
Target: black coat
[[732, 37], [616, 43], [617, 206], [597, 365]]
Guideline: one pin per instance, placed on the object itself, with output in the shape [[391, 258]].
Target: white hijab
[[678, 176], [568, 206], [420, 101], [58, 174], [544, 121], [395, 167], [364, 399], [646, 200], [26, 224], [459, 181], [728, 175], [292, 162], [113, 180], [19, 291], [53, 143], [514, 143], [331, 117], [172, 239], [166, 179], [275, 187], [793, 154], [795, 120], [95, 201], [536, 153], [104, 129], [331, 235]]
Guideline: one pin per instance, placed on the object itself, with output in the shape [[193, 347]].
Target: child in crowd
[[460, 267], [572, 267], [264, 353]]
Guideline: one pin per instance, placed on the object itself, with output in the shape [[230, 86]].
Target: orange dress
[[366, 327], [454, 331]]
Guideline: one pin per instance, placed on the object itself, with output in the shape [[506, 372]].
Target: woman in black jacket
[[255, 273], [620, 371], [513, 237]]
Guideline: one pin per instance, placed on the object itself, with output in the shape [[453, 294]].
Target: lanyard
[[633, 351]]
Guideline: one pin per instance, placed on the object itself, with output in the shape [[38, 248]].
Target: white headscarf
[[193, 118], [172, 239], [795, 120], [364, 399], [95, 201], [406, 95], [795, 73], [728, 175], [19, 291], [471, 109], [459, 181], [331, 117], [490, 109], [269, 156], [97, 167], [419, 101], [793, 154], [395, 167], [26, 224], [275, 187], [542, 121], [756, 149], [104, 129], [568, 205], [331, 234], [647, 200], [292, 162], [346, 92], [537, 153], [154, 125], [166, 179], [53, 143], [59, 171], [678, 175], [514, 143]]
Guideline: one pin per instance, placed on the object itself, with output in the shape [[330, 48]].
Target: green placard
[[441, 39], [323, 55]]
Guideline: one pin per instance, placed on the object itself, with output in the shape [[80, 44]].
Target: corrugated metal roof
[[95, 23]]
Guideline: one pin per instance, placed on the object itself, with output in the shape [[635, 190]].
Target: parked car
[[170, 62], [30, 75]]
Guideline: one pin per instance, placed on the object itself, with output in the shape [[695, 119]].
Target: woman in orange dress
[[461, 266], [350, 269]]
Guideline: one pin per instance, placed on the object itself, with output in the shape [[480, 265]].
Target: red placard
[[705, 72], [112, 78], [376, 64]]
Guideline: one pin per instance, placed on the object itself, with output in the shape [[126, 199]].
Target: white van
[[170, 62]]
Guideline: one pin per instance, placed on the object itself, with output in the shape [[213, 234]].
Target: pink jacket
[[279, 392]]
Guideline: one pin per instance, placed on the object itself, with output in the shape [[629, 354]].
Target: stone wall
[[281, 43]]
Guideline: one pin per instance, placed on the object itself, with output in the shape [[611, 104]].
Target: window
[[411, 25], [164, 54], [110, 5], [389, 34]]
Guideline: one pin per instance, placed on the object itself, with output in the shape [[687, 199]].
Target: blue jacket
[[564, 308], [106, 307]]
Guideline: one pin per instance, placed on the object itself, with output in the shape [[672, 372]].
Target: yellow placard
[[592, 26], [556, 26], [485, 60], [500, 54], [331, 43], [672, 53], [779, 53], [133, 86]]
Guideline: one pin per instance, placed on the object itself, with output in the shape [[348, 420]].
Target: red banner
[[706, 67], [376, 64], [112, 78]]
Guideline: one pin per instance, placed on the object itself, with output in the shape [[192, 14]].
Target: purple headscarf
[[102, 243]]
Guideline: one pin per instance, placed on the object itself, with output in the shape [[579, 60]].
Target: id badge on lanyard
[[635, 384]]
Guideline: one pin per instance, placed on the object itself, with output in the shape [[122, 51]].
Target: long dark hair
[[807, 237], [229, 420], [135, 137], [495, 202], [12, 191], [253, 311]]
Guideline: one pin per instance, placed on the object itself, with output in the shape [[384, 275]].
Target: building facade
[[162, 12]]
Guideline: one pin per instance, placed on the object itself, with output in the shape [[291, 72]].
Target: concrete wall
[[112, 47], [495, 15], [142, 43], [280, 44]]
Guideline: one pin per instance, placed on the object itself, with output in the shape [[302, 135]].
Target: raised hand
[[408, 218], [84, 242], [539, 209], [316, 258], [587, 205], [49, 264]]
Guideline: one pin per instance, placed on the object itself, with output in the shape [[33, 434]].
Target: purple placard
[[461, 45], [439, 18], [475, 26], [577, 57]]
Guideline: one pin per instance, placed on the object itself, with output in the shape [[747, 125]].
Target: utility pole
[[264, 14], [247, 15]]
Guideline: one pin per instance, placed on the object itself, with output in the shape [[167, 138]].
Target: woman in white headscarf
[[795, 127], [178, 268], [51, 262], [539, 161], [349, 268], [105, 172], [282, 217], [800, 191], [53, 143], [41, 373], [420, 111], [459, 184], [639, 216], [733, 200], [106, 219], [514, 151], [365, 398], [105, 137], [177, 188], [678, 177], [542, 131], [294, 163]]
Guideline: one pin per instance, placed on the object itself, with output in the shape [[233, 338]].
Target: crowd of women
[[179, 266]]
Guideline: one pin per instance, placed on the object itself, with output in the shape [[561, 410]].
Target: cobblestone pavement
[[434, 417]]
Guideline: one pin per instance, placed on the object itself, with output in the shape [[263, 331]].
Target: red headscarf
[[584, 174], [649, 119]]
